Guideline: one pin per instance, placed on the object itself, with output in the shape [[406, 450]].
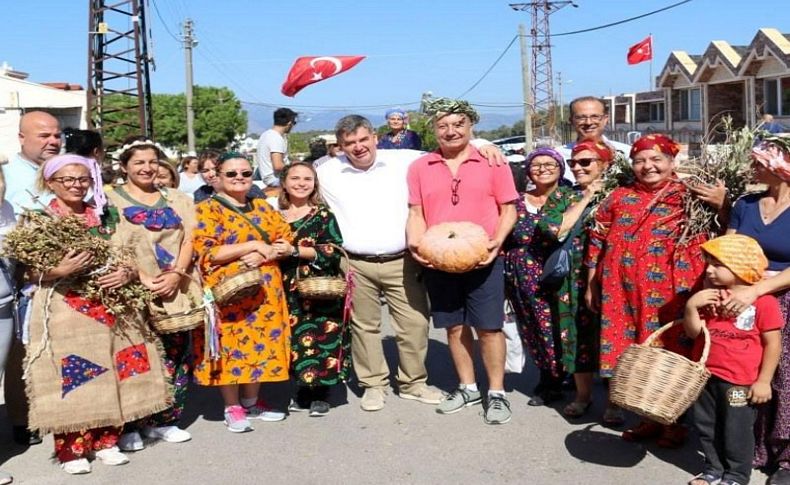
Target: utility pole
[[189, 44], [527, 91]]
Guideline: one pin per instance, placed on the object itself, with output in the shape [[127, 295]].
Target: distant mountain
[[259, 119]]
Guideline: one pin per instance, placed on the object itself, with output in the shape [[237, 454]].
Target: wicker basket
[[180, 322], [323, 287], [657, 383], [237, 285]]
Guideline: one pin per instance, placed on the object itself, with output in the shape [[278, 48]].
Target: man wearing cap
[[453, 184], [272, 153], [366, 189]]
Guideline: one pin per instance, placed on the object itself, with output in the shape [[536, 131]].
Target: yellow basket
[[323, 287], [238, 285], [657, 383]]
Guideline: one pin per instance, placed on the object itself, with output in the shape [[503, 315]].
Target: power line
[[164, 24], [488, 71], [622, 21]]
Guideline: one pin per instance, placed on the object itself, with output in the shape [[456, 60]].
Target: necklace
[[770, 215]]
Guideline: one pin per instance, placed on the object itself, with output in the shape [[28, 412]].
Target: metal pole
[[527, 90], [562, 106], [188, 45]]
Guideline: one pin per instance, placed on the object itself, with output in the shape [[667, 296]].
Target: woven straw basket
[[657, 383], [237, 285], [323, 287], [179, 322]]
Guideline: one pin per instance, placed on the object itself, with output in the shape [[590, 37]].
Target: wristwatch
[[295, 252]]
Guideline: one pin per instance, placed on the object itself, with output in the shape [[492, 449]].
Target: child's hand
[[709, 297], [760, 392]]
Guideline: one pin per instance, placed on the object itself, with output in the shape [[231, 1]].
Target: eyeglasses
[[544, 167], [72, 181], [232, 174], [586, 118], [454, 187], [582, 162]]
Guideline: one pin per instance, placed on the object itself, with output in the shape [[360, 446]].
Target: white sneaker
[[170, 434], [76, 467], [112, 456], [131, 442]]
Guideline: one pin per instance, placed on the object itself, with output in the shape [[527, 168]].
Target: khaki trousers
[[408, 309]]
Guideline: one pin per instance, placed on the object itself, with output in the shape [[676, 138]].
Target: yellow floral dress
[[255, 336]]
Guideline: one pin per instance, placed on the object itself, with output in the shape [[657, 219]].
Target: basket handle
[[705, 350], [336, 246]]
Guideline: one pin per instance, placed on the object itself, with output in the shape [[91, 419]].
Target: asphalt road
[[405, 443]]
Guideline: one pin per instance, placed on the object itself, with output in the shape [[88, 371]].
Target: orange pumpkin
[[454, 247]]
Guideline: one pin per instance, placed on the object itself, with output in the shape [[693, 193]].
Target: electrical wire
[[488, 71], [164, 24], [619, 22]]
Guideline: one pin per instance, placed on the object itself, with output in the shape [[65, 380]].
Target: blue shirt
[[746, 220], [408, 140], [20, 177]]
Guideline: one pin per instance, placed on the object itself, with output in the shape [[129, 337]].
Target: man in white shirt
[[272, 154], [366, 189], [40, 140]]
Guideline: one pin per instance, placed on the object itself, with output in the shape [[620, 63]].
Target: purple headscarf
[[54, 164], [547, 152], [396, 111]]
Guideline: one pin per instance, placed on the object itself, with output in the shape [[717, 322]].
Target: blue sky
[[413, 46]]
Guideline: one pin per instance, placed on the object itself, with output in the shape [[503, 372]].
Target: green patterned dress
[[320, 342], [579, 328]]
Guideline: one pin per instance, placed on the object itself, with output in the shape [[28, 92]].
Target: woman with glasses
[[160, 221], [575, 324], [526, 251], [88, 371], [207, 166], [234, 232]]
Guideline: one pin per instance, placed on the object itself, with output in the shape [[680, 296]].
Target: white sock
[[496, 392], [248, 402], [470, 387]]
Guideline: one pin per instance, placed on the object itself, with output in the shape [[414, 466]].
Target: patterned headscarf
[[54, 164], [447, 106], [547, 152], [396, 111], [774, 155], [660, 143], [603, 150], [740, 254]]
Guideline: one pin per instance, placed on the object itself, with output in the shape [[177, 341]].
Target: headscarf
[[447, 106], [600, 148], [396, 111], [658, 142], [57, 162], [547, 152], [740, 254], [774, 157]]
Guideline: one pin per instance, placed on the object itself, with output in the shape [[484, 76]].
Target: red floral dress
[[646, 276]]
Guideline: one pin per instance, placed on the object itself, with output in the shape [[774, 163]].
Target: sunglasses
[[454, 198], [582, 162], [232, 174]]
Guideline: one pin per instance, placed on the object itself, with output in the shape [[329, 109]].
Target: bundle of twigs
[[618, 174], [41, 242]]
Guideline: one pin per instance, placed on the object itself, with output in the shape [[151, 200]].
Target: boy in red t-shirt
[[744, 352]]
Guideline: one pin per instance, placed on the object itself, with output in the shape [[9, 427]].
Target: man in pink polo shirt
[[456, 184]]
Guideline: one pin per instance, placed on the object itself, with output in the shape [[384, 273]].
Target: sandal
[[613, 416], [708, 478], [643, 431], [576, 409], [673, 436]]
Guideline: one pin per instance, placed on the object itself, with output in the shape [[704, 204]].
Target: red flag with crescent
[[641, 51], [310, 70]]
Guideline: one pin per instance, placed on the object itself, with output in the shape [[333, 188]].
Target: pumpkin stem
[[451, 235]]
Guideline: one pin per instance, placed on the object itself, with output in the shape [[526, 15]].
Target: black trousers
[[725, 432]]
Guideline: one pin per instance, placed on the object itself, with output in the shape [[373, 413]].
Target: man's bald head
[[39, 136]]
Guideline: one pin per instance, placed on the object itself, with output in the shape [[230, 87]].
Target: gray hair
[[351, 123], [594, 99]]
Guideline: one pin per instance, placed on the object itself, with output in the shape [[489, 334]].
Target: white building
[[66, 102]]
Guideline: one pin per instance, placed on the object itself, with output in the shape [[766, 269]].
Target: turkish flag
[[641, 52], [309, 70]]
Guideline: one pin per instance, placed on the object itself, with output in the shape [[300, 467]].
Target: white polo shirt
[[371, 206]]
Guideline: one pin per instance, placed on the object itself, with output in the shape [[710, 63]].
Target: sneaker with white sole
[[170, 434], [264, 413], [319, 408], [236, 419], [131, 442], [295, 407], [373, 399], [459, 399], [497, 410], [112, 456], [77, 467], [424, 394]]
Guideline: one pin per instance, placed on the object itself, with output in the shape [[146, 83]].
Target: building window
[[657, 111], [777, 96], [690, 104]]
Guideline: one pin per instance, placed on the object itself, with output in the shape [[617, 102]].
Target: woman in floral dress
[[398, 136], [320, 341], [525, 254], [235, 232]]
